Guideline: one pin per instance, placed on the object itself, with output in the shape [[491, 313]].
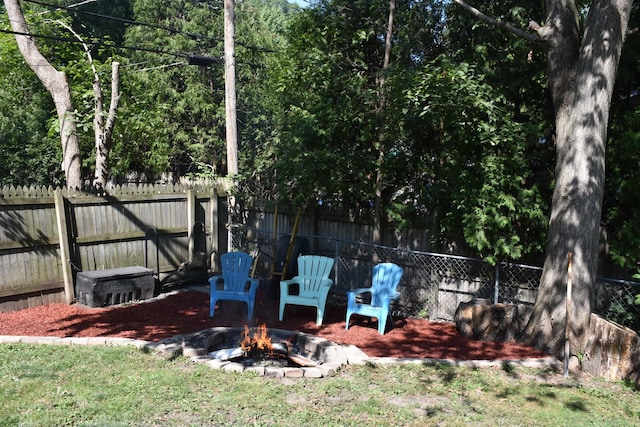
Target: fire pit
[[272, 353], [258, 349]]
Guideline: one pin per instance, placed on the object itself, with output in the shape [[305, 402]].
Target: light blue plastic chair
[[384, 282], [237, 285], [312, 282]]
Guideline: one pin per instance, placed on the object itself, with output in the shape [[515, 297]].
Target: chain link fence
[[615, 300], [433, 285]]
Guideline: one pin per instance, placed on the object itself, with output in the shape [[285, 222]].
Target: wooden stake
[[65, 249], [567, 327], [274, 249], [291, 243]]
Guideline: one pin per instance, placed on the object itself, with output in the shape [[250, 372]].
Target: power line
[[192, 59], [192, 36], [102, 43]]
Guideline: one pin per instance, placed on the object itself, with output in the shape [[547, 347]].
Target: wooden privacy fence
[[47, 235]]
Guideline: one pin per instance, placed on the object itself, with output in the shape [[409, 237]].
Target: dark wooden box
[[116, 286]]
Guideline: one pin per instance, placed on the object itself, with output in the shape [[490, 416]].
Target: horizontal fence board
[[129, 235], [41, 287], [24, 201], [23, 301], [26, 269]]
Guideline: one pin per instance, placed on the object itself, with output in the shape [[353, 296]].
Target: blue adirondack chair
[[235, 280], [312, 282], [384, 282]]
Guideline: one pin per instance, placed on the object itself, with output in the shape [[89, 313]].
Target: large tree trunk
[[581, 74], [56, 84], [581, 79]]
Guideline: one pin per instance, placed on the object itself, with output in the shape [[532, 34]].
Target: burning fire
[[258, 347], [259, 342]]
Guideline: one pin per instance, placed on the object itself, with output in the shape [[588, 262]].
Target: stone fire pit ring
[[328, 355]]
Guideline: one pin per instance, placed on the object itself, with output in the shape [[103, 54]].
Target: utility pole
[[230, 88], [230, 110]]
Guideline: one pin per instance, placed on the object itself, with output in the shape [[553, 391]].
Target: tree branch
[[500, 24]]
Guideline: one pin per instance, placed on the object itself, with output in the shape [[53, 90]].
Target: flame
[[260, 341]]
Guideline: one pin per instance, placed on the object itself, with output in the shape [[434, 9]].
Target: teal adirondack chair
[[312, 282], [384, 282], [235, 280]]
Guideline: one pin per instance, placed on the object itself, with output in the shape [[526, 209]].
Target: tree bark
[[103, 129], [581, 72], [56, 84], [581, 80]]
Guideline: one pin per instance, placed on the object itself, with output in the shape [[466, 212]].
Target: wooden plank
[[23, 244], [191, 220], [8, 270], [132, 235], [31, 289], [124, 198], [212, 222], [50, 265], [22, 201], [65, 254]]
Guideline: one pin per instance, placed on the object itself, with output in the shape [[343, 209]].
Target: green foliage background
[[466, 129]]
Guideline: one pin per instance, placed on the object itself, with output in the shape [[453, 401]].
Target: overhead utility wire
[[125, 21], [193, 36], [102, 43]]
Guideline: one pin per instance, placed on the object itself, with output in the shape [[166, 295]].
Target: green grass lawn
[[45, 385]]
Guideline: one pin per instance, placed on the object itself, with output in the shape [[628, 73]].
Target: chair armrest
[[326, 283], [392, 297], [290, 282], [359, 291], [285, 285], [351, 295], [255, 283], [215, 282]]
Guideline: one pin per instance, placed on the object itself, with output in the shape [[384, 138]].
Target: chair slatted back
[[313, 270], [235, 270], [385, 280]]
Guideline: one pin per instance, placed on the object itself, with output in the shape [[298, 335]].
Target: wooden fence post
[[65, 253], [191, 221], [213, 227]]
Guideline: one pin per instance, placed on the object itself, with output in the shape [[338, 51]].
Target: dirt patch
[[188, 311]]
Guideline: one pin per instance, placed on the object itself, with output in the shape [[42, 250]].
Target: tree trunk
[[581, 79], [377, 218], [103, 129], [581, 74], [56, 84]]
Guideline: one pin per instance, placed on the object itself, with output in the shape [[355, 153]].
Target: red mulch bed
[[188, 311]]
